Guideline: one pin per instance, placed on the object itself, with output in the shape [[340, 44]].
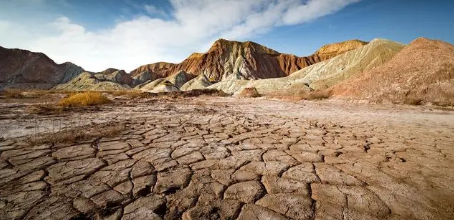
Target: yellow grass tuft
[[84, 99]]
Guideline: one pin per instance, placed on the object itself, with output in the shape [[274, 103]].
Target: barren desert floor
[[228, 158]]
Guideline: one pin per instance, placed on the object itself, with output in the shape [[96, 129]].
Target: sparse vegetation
[[45, 109], [12, 94], [131, 94], [84, 99], [187, 94]]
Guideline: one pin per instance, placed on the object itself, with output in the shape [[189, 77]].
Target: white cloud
[[154, 11], [193, 26]]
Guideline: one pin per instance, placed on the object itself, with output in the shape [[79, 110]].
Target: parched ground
[[226, 158]]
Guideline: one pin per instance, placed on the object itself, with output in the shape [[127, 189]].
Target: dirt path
[[226, 158]]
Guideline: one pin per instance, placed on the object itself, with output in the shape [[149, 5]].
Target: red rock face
[[24, 69], [245, 59], [157, 70], [421, 72]]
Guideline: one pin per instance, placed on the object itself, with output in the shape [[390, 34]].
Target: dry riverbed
[[228, 158]]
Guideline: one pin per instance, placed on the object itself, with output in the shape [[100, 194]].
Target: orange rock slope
[[246, 60], [25, 69], [422, 72]]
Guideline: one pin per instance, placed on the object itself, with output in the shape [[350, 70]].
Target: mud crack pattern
[[237, 159]]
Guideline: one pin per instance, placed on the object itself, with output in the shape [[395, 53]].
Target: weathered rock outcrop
[[244, 60], [117, 76], [170, 83], [331, 50], [25, 69], [155, 70], [422, 72], [323, 74], [95, 81]]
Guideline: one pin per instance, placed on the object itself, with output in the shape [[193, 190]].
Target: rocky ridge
[[423, 72], [110, 79], [323, 74], [28, 70], [244, 60]]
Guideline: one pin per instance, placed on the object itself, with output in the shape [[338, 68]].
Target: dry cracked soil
[[226, 158]]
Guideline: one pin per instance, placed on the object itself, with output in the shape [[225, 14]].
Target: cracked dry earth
[[241, 159]]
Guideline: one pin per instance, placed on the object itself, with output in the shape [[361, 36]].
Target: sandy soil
[[227, 158]]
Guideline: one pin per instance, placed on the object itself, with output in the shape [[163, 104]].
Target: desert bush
[[249, 93], [188, 94], [12, 94], [132, 94], [45, 109], [207, 92], [84, 99]]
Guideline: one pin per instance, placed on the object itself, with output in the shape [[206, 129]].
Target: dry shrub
[[131, 94], [84, 99], [204, 92], [78, 134], [249, 93], [45, 109], [15, 93], [190, 93], [12, 94]]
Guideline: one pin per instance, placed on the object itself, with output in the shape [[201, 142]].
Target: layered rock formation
[[323, 74], [107, 80], [153, 71], [331, 50], [242, 60], [422, 72], [168, 84], [25, 69]]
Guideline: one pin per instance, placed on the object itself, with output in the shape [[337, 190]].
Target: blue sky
[[127, 33]]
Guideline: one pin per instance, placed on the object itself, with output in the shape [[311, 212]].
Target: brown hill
[[420, 73], [245, 60], [25, 69], [156, 70]]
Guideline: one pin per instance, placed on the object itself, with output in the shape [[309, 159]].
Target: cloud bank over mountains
[[159, 35]]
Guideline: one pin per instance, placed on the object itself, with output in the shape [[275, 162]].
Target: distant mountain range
[[25, 69], [382, 70]]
